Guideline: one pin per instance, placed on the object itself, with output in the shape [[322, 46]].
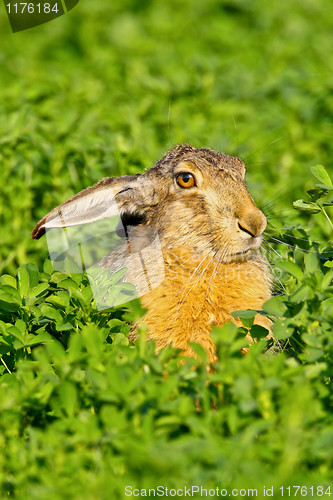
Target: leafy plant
[[318, 194]]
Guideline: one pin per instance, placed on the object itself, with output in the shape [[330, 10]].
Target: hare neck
[[202, 284], [198, 292]]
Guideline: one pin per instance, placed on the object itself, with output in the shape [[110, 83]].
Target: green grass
[[107, 90]]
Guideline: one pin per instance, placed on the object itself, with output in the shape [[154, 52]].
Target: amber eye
[[185, 180]]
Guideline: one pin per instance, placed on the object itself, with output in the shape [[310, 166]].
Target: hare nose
[[253, 223]]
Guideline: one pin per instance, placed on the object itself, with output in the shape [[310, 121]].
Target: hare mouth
[[243, 253], [241, 256]]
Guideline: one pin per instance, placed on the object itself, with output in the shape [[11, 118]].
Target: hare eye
[[185, 180]]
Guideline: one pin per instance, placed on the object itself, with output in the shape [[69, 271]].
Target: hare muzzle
[[253, 223]]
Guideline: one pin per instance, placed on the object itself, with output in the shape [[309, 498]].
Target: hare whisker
[[273, 249], [214, 273], [304, 239], [277, 197], [282, 211], [303, 250], [235, 125], [274, 273], [183, 297], [192, 285], [260, 149], [169, 115]]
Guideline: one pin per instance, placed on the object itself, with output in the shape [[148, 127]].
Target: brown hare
[[209, 230]]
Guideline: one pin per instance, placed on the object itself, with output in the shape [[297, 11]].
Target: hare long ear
[[111, 196]]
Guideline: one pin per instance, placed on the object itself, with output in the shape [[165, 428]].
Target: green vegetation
[[106, 90]]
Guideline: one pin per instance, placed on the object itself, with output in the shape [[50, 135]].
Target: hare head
[[191, 197], [197, 203]]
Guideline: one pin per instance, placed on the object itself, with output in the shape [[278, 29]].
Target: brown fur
[[197, 293], [209, 235]]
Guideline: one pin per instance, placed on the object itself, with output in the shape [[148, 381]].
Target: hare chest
[[197, 293]]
